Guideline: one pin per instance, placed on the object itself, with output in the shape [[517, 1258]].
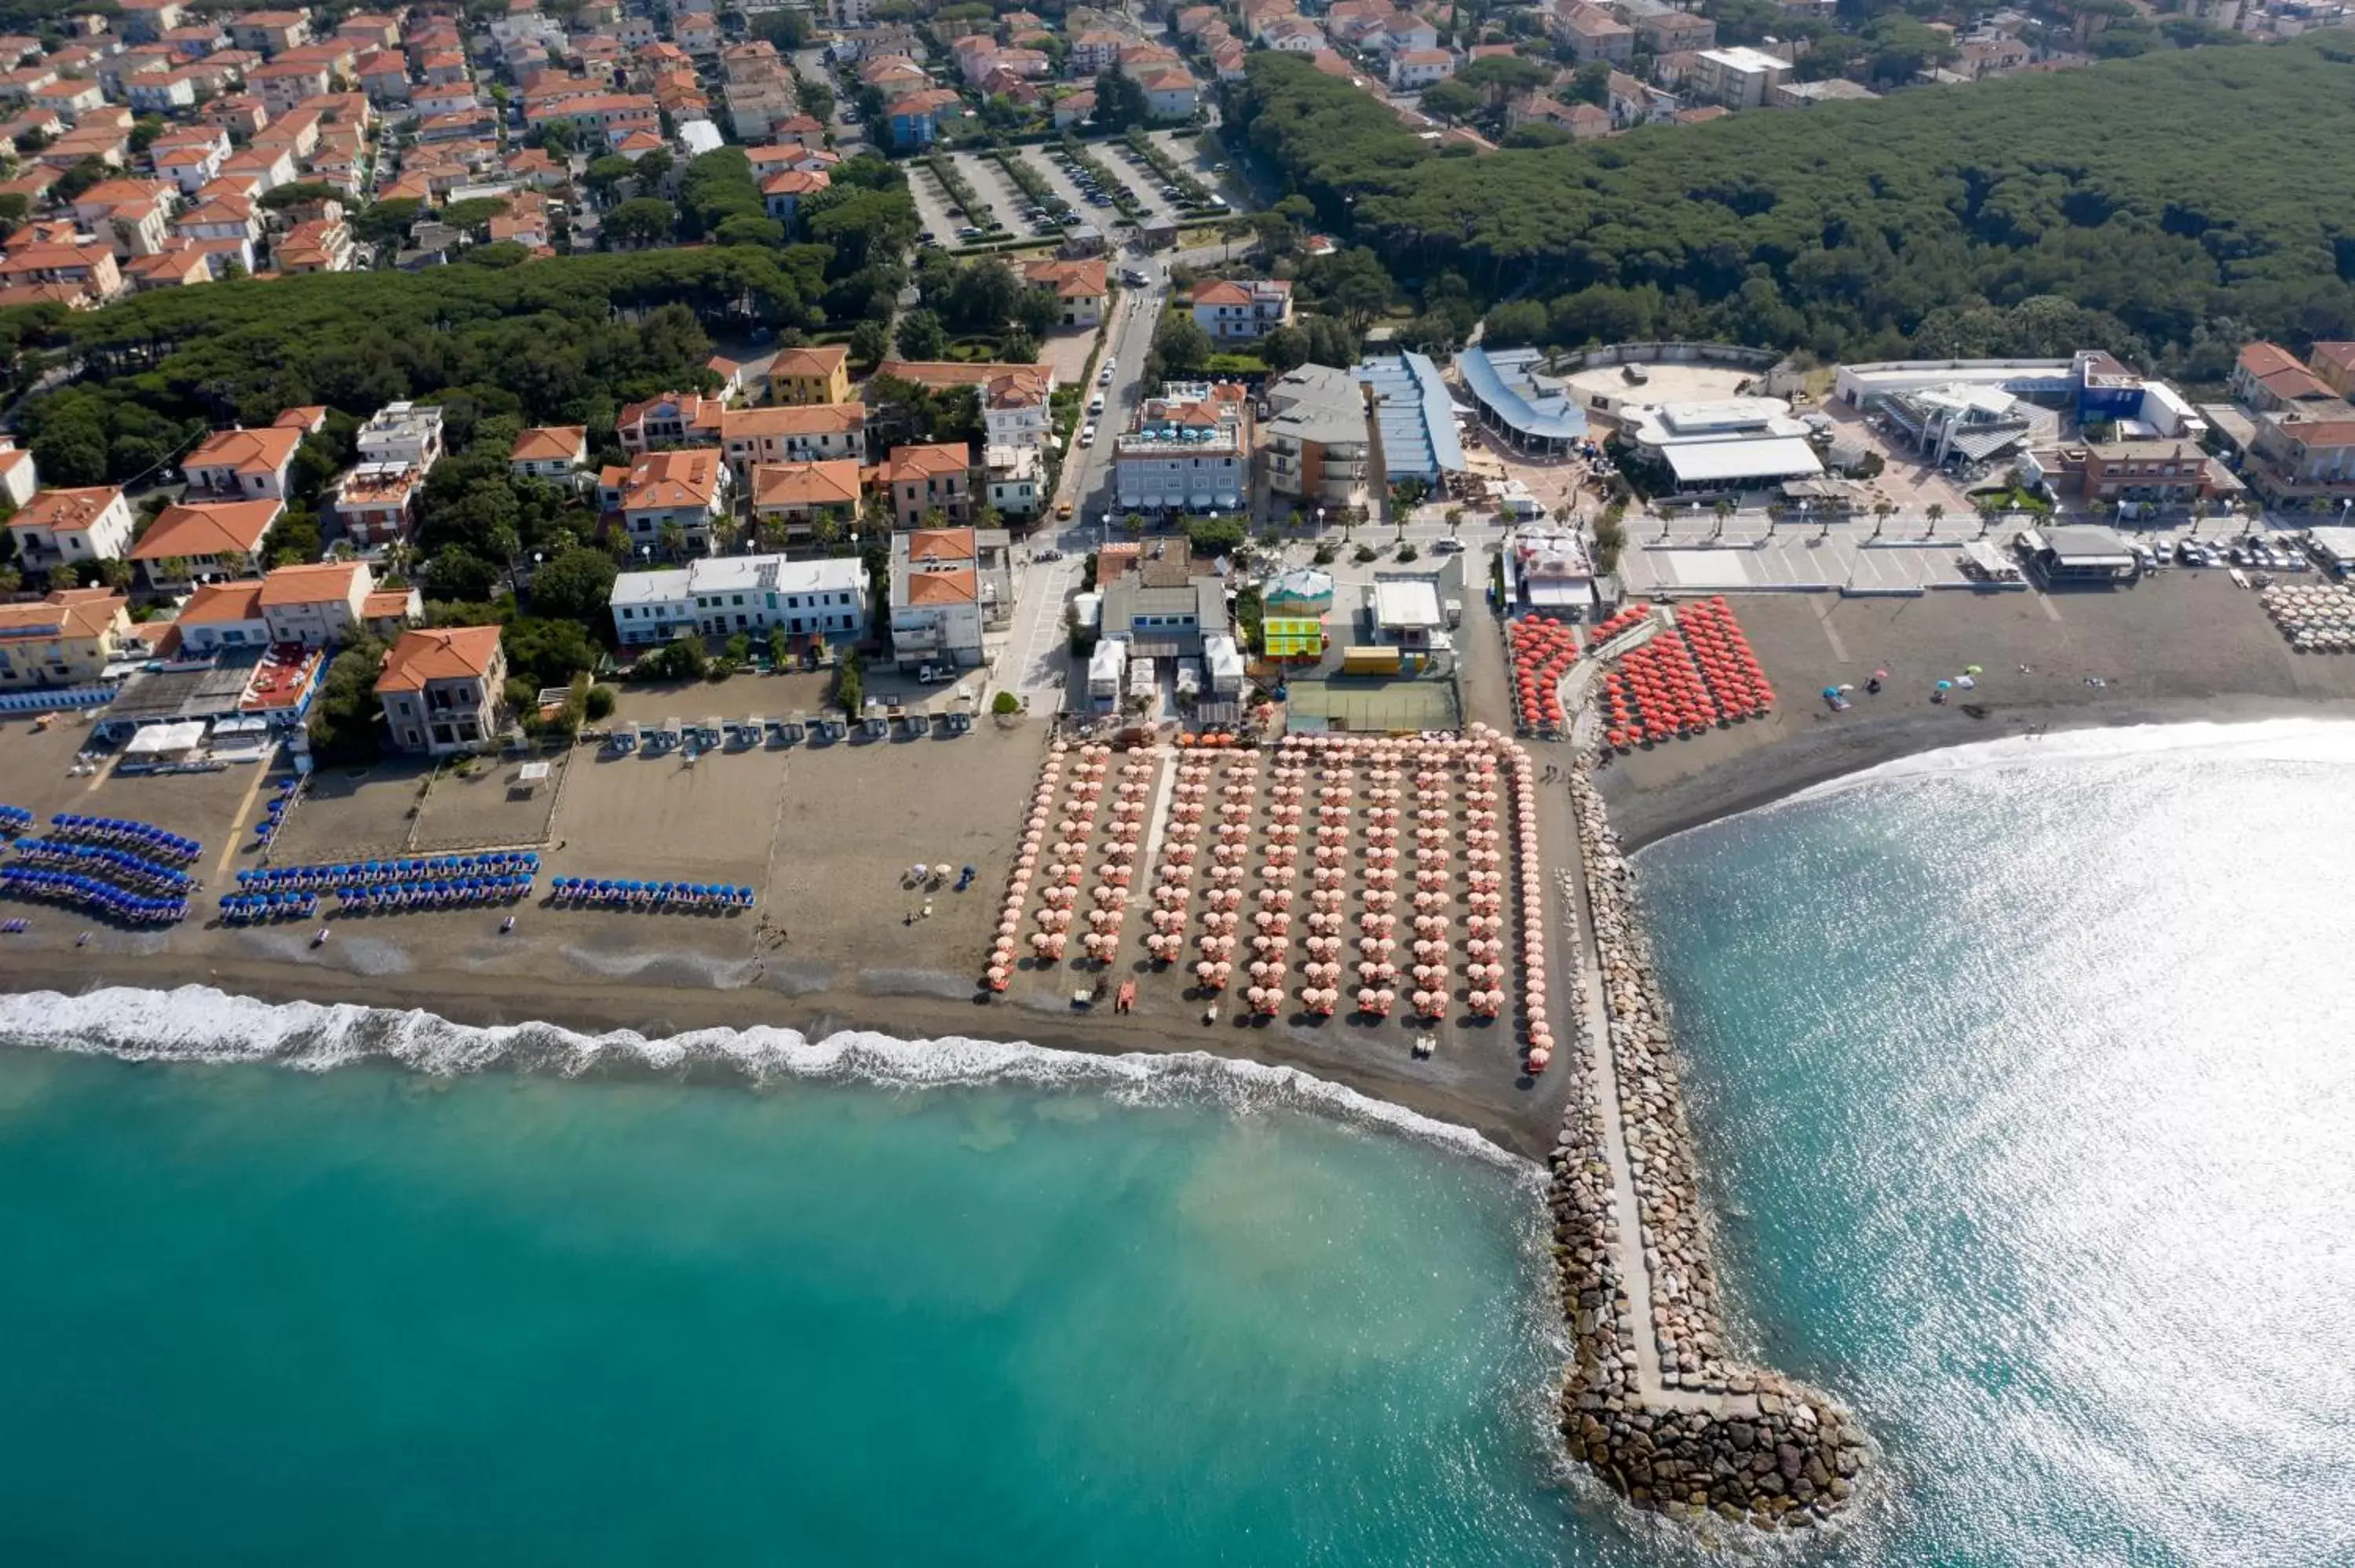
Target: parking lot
[[1007, 203]]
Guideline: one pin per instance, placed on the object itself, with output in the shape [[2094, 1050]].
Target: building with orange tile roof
[[949, 586], [549, 451], [1015, 398], [674, 419], [923, 479], [802, 433], [65, 640], [440, 688], [686, 490], [318, 604], [815, 375], [793, 498], [188, 541], [388, 612], [222, 615], [1080, 287], [62, 526], [243, 462], [782, 192]]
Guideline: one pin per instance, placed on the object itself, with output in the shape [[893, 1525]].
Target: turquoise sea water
[[2025, 1086], [367, 1316]]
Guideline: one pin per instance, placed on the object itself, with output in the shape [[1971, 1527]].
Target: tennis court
[[1358, 703]]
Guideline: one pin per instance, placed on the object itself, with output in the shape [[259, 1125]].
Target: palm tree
[[673, 539], [825, 531], [1723, 510], [1881, 511], [1934, 513], [1134, 524]]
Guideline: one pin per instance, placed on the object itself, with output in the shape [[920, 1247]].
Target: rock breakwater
[[1654, 1402]]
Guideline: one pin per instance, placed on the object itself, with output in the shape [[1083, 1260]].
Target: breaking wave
[[199, 1024]]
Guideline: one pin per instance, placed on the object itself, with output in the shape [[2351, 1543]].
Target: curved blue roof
[[1417, 417], [1504, 384]]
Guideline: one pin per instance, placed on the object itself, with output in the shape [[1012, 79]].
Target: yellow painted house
[[811, 375]]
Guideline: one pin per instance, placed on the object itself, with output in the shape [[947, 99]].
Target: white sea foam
[[199, 1024]]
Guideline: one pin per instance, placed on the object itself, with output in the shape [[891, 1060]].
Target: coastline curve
[[191, 1024]]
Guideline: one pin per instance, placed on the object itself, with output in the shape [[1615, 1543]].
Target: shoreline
[[1645, 813], [482, 1001]]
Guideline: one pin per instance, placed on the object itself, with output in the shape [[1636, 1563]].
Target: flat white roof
[[1783, 457], [741, 574], [2338, 544], [1407, 604], [1742, 58]]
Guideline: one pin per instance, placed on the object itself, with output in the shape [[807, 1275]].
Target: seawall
[[1654, 1402]]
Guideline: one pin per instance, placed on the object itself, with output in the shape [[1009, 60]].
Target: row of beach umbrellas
[[90, 892], [619, 892], [251, 909], [117, 866], [389, 872], [145, 837], [459, 893]]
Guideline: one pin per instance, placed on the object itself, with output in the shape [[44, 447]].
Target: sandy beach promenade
[[2182, 647], [842, 939]]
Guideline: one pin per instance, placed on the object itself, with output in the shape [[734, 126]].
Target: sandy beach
[[2182, 647], [844, 940]]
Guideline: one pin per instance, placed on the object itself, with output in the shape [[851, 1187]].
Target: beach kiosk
[[622, 739], [1106, 668], [1223, 663], [2083, 555], [1289, 639], [665, 735]]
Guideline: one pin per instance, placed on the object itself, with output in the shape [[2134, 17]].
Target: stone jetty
[[1654, 1401]]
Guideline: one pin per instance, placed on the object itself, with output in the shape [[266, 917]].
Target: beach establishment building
[[440, 688], [1549, 569], [2078, 553], [718, 596], [2134, 476], [1958, 421], [2333, 549], [1164, 622], [1728, 444], [949, 586], [2091, 385], [1416, 419], [1533, 411], [1318, 445], [1405, 613], [1303, 591]]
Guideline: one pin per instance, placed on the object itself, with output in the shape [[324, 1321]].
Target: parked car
[[935, 674], [1088, 434]]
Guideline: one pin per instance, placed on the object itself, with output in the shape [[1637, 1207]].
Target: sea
[[2022, 1080]]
